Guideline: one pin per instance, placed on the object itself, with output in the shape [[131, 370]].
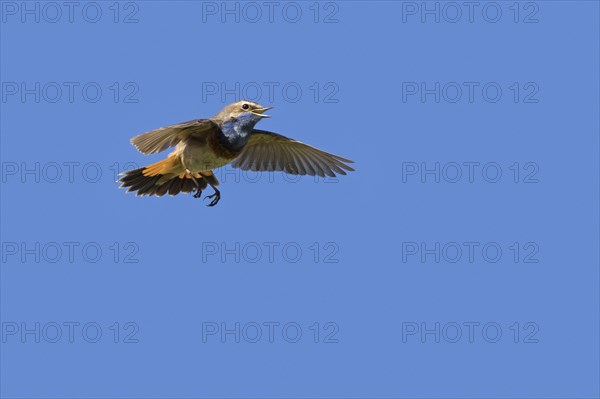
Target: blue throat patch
[[236, 132]]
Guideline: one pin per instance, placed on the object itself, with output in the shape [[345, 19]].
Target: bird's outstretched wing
[[160, 139], [267, 151]]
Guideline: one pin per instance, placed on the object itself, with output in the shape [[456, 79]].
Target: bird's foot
[[215, 201], [198, 193]]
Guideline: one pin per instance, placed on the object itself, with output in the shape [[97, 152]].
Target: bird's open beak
[[260, 112]]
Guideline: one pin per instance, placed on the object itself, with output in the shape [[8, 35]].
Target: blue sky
[[460, 259]]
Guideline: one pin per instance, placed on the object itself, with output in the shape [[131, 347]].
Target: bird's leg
[[216, 196], [198, 192]]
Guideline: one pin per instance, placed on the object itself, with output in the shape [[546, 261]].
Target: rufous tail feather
[[166, 176]]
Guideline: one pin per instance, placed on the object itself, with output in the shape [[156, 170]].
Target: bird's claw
[[198, 194], [215, 201]]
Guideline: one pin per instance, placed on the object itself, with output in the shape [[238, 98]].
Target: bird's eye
[[245, 106]]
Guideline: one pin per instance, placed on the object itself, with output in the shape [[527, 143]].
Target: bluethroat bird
[[228, 137]]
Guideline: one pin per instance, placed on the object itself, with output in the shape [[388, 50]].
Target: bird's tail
[[166, 176]]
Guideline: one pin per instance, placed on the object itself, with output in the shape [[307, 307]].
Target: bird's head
[[242, 111]]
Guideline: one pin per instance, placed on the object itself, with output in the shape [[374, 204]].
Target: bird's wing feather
[[267, 151], [160, 139]]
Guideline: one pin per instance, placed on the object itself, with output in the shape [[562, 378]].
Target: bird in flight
[[202, 145]]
